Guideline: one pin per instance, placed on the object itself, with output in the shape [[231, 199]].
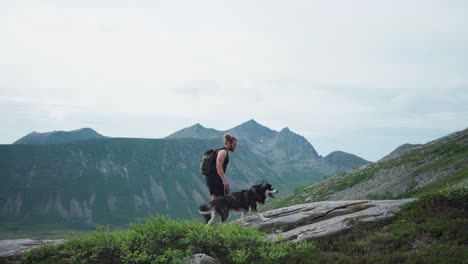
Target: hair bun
[[228, 138]]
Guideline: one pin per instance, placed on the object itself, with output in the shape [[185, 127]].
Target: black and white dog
[[243, 201]]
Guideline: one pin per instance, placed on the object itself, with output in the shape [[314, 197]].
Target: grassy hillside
[[430, 230], [418, 171]]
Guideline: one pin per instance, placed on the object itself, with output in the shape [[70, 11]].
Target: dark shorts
[[215, 185]]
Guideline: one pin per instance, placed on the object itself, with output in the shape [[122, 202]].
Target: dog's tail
[[205, 208]]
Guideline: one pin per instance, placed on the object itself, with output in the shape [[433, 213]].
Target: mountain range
[[73, 180]]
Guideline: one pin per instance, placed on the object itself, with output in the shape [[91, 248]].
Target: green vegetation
[[162, 240], [429, 230]]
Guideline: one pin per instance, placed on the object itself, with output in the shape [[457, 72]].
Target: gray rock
[[14, 247], [199, 259], [322, 219]]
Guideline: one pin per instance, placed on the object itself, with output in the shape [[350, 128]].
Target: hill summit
[[58, 137], [196, 131]]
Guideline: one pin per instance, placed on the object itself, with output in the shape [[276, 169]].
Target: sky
[[362, 77]]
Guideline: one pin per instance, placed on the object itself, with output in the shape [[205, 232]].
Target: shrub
[[162, 240]]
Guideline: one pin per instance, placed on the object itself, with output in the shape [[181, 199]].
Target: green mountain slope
[[411, 173]]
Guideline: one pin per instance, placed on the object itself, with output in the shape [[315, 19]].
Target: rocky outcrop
[[199, 259], [14, 247], [322, 219]]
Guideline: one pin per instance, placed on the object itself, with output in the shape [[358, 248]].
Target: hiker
[[216, 180]]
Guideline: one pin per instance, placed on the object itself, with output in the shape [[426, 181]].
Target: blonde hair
[[228, 138]]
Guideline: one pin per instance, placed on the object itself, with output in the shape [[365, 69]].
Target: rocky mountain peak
[[198, 126], [251, 125], [196, 131], [342, 158], [252, 131]]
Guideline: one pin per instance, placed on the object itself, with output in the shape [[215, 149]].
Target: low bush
[[162, 240]]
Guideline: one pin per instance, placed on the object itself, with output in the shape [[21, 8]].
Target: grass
[[430, 230]]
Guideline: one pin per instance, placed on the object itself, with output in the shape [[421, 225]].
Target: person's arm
[[219, 167]]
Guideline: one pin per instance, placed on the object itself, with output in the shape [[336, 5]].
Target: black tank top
[[226, 160], [225, 163]]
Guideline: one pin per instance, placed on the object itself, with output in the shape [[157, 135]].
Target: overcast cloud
[[359, 76]]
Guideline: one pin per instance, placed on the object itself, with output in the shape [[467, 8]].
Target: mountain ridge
[[196, 131], [59, 137]]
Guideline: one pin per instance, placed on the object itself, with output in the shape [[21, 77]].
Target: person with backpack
[[213, 166]]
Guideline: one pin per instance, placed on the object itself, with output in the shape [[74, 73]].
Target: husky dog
[[243, 201]]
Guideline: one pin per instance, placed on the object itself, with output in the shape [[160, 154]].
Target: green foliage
[[430, 230], [162, 240], [456, 178]]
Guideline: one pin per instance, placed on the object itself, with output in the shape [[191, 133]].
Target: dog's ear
[[264, 183]]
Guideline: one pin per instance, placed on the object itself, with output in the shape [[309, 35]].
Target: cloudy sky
[[359, 76]]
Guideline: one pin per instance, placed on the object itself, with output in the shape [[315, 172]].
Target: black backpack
[[207, 162]]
